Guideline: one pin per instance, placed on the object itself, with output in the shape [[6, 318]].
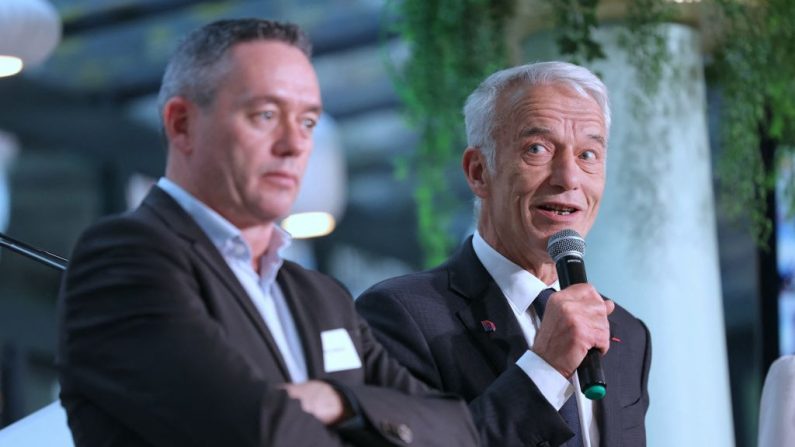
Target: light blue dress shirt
[[261, 287]]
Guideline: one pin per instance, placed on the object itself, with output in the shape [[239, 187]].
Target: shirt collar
[[227, 237], [518, 285], [272, 260]]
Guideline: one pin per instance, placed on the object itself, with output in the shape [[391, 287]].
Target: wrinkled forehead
[[520, 90], [522, 101], [536, 109]]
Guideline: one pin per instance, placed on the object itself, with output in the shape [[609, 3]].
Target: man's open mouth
[[557, 209]]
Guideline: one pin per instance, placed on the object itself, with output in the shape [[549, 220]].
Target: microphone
[[566, 248]]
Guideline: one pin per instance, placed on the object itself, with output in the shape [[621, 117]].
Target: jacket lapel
[[184, 225], [503, 346], [486, 309], [305, 325]]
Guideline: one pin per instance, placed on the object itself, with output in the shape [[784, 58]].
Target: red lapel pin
[[488, 326], [615, 339]]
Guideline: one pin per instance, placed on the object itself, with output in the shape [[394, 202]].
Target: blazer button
[[399, 431]]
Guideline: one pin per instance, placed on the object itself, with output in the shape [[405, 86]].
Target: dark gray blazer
[[431, 322], [159, 345]]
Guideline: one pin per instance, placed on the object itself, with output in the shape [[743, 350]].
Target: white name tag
[[339, 354]]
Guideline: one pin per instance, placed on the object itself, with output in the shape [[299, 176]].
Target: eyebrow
[[598, 138], [533, 131]]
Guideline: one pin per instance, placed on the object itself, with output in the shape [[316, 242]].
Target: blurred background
[[80, 138]]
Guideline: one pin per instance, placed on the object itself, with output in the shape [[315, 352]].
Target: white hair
[[480, 114]]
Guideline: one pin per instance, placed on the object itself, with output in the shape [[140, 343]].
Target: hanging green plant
[[755, 69], [645, 44], [453, 45], [575, 21]]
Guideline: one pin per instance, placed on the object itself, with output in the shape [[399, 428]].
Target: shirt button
[[405, 434], [240, 250]]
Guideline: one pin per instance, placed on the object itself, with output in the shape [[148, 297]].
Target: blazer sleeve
[[137, 342], [509, 411], [404, 410], [394, 408]]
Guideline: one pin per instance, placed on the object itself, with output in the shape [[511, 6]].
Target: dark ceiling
[[113, 52]]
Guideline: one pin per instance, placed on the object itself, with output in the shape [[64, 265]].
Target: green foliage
[[454, 45], [575, 20], [755, 68], [644, 42]]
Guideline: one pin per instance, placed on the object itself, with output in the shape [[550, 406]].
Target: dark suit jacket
[[159, 345], [431, 322]]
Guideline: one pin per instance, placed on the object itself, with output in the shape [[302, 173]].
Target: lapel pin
[[488, 326], [615, 339]]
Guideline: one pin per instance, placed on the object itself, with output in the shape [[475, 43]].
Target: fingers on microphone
[[603, 344], [600, 326]]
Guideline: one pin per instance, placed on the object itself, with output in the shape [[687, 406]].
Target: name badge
[[339, 354]]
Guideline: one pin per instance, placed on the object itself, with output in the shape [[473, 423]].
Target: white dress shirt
[[521, 288], [261, 287]]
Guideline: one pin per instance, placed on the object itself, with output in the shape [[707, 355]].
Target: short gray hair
[[200, 59], [480, 111]]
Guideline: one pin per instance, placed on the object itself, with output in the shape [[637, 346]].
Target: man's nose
[[291, 140], [565, 170]]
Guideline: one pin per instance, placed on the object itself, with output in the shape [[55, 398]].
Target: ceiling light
[[321, 200], [307, 225], [29, 31], [10, 65]]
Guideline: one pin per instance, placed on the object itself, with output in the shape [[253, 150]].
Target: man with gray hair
[[179, 322], [491, 324]]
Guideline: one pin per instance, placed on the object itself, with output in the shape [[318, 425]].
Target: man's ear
[[177, 116], [476, 171]]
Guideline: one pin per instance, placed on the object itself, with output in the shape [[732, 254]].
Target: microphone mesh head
[[565, 243]]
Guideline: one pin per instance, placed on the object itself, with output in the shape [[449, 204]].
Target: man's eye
[[309, 123], [589, 155], [536, 149], [267, 115]]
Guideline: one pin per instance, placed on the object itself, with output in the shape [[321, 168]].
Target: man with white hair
[[491, 324]]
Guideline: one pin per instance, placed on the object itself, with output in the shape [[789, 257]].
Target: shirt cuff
[[555, 387]]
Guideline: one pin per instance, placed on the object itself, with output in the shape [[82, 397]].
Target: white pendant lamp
[[29, 31], [321, 200]]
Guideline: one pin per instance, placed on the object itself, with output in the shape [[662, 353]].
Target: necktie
[[569, 409]]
